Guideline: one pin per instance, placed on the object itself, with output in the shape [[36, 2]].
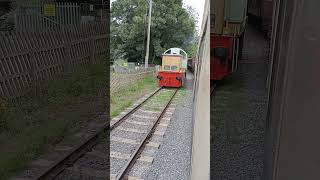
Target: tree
[[172, 26]]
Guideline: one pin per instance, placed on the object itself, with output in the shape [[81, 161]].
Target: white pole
[[148, 38]]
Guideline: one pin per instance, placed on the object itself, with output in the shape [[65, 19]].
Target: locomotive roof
[[175, 51], [172, 55]]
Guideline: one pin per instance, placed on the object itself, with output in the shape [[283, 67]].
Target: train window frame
[[166, 67], [176, 68]]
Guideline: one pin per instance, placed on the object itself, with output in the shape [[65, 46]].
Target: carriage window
[[173, 68], [166, 67]]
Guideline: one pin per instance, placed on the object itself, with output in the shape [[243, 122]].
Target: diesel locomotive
[[172, 72]]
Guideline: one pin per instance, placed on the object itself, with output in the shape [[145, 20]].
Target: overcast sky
[[196, 4], [199, 6]]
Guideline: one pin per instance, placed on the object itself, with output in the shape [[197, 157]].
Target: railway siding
[[127, 136], [63, 149], [172, 160]]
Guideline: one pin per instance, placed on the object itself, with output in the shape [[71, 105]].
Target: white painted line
[[124, 140], [133, 178], [137, 122], [146, 111], [166, 119], [146, 159], [131, 130], [163, 124], [160, 133], [131, 141], [143, 117], [169, 113], [119, 155], [153, 144]]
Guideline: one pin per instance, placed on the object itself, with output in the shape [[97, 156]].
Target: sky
[[198, 5]]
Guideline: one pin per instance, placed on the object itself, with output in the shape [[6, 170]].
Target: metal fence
[[42, 16], [28, 59]]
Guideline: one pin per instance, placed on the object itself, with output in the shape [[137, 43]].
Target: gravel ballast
[[242, 158], [172, 161]]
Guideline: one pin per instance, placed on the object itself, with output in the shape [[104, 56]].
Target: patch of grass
[[181, 94], [125, 97], [227, 99], [159, 101], [33, 124]]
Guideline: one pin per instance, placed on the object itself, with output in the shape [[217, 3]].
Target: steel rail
[[133, 110], [69, 159], [141, 146], [77, 152]]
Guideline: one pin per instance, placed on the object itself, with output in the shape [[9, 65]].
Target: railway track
[[133, 137], [92, 152], [66, 164]]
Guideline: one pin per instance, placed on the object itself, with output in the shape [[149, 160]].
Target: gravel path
[[172, 161], [243, 160]]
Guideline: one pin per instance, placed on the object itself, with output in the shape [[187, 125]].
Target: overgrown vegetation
[[172, 26], [125, 97], [227, 98], [31, 125]]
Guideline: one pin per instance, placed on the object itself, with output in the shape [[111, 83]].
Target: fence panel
[[33, 18], [121, 80], [28, 59]]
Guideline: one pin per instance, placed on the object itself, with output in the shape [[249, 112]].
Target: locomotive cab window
[[166, 67], [174, 68]]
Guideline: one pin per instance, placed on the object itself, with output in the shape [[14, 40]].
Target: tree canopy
[[172, 25]]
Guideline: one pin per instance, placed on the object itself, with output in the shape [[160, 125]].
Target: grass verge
[[31, 125], [125, 97], [158, 102]]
